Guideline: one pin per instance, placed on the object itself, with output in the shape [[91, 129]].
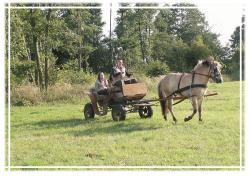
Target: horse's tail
[[162, 100]]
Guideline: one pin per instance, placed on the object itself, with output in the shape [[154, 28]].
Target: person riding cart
[[100, 94], [101, 84], [118, 73]]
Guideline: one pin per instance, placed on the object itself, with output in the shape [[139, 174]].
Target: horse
[[188, 85]]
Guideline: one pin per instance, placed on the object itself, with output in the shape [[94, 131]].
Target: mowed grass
[[57, 135]]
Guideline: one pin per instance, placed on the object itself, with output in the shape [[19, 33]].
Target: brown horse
[[192, 85]]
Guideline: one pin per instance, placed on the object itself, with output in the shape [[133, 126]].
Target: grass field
[[57, 135]]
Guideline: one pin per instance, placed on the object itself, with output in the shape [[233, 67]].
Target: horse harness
[[192, 85]]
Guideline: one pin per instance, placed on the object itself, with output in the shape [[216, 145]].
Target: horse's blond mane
[[210, 60], [198, 65]]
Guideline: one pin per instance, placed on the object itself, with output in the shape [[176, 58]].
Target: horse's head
[[214, 69]]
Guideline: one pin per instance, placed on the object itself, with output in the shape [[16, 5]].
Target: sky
[[222, 16]]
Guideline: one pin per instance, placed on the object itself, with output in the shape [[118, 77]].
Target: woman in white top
[[102, 97], [101, 84]]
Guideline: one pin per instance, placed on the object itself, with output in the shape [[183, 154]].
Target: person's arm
[[115, 73], [106, 83], [97, 85], [128, 74]]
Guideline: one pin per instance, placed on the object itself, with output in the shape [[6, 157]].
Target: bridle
[[196, 73], [213, 75]]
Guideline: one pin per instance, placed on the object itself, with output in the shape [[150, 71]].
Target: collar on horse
[[192, 85]]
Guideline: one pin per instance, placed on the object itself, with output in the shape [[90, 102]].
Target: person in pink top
[[118, 72]]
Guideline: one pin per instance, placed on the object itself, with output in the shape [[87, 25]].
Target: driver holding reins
[[118, 72]]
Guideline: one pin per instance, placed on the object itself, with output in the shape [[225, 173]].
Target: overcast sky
[[222, 16]]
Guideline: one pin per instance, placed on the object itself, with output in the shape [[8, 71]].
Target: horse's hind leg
[[163, 101], [165, 112], [170, 107], [164, 108], [194, 103]]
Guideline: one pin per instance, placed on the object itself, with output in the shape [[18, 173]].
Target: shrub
[[20, 71], [227, 78], [75, 77], [25, 95], [65, 93], [156, 68]]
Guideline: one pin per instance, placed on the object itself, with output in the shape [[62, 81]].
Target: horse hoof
[[174, 122], [187, 119]]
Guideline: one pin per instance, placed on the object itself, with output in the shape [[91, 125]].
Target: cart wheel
[[145, 111], [89, 111], [118, 113]]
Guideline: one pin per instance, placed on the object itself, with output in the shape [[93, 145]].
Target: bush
[[65, 93], [20, 71], [75, 77], [25, 95], [156, 68], [227, 78]]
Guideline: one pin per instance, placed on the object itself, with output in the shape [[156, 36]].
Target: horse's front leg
[[194, 103], [200, 100]]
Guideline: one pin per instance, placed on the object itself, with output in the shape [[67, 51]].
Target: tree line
[[44, 41]]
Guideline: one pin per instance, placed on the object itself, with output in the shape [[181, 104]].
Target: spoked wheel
[[118, 113], [145, 111], [89, 111]]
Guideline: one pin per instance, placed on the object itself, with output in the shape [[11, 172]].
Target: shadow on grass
[[115, 128], [58, 123], [94, 126]]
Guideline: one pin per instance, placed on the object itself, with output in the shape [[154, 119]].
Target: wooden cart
[[126, 98]]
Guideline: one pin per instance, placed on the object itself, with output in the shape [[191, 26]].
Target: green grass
[[57, 135]]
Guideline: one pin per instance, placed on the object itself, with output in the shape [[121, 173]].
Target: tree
[[134, 30], [163, 21], [47, 49], [97, 59], [84, 33], [127, 35], [19, 47], [198, 50], [170, 50], [187, 23], [185, 36], [235, 39], [34, 20], [55, 39], [211, 41], [233, 61]]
